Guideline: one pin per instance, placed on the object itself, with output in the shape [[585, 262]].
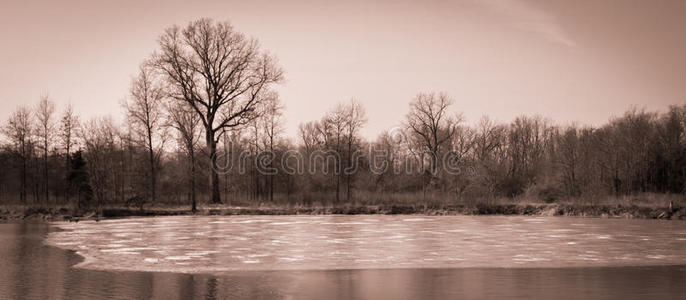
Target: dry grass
[[380, 201]]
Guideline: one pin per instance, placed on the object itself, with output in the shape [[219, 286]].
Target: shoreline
[[48, 214]]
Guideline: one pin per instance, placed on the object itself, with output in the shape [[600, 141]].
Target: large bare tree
[[220, 73], [146, 116]]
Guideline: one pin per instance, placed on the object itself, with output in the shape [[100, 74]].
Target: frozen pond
[[216, 244], [344, 257]]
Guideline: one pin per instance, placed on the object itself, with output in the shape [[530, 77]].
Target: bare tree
[[68, 127], [99, 141], [308, 135], [46, 124], [69, 124], [145, 113], [488, 137], [489, 151], [355, 120], [334, 125], [431, 124], [527, 141], [187, 123], [568, 159], [220, 73], [273, 126], [19, 130]]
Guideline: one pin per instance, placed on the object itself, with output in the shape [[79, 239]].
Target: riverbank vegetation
[[204, 132], [637, 207]]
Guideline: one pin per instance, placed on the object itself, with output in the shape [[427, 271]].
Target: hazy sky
[[572, 61]]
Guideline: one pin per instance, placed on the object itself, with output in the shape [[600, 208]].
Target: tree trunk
[[214, 176], [348, 167], [338, 187], [193, 203], [45, 174], [271, 165], [271, 188], [22, 193], [228, 155], [153, 175], [153, 171], [66, 193]]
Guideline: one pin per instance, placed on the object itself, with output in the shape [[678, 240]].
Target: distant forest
[[204, 125]]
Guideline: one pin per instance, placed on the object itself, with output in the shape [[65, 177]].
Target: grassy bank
[[620, 210]]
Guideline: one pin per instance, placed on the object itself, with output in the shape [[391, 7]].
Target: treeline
[[204, 124]]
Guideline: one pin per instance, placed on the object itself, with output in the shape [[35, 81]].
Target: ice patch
[[180, 257], [201, 253], [66, 244], [344, 223], [291, 259], [287, 223], [250, 221]]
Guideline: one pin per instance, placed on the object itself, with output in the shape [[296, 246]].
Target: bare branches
[[68, 126], [217, 70], [144, 108], [146, 117], [219, 73], [20, 129], [44, 116], [183, 119], [430, 124]]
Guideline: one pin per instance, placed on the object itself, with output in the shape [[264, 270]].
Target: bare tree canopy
[[219, 72], [146, 116], [19, 130], [186, 122], [46, 124], [69, 124], [430, 124]]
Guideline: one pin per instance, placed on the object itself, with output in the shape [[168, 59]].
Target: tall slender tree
[[145, 112], [272, 123], [187, 123], [46, 124], [19, 130], [69, 124], [355, 119]]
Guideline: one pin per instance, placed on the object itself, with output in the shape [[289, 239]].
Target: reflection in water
[[31, 270]]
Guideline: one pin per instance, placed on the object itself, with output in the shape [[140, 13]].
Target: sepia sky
[[572, 61]]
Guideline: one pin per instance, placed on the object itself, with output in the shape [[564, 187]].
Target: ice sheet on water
[[224, 243]]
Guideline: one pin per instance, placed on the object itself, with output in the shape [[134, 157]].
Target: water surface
[[31, 269]]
